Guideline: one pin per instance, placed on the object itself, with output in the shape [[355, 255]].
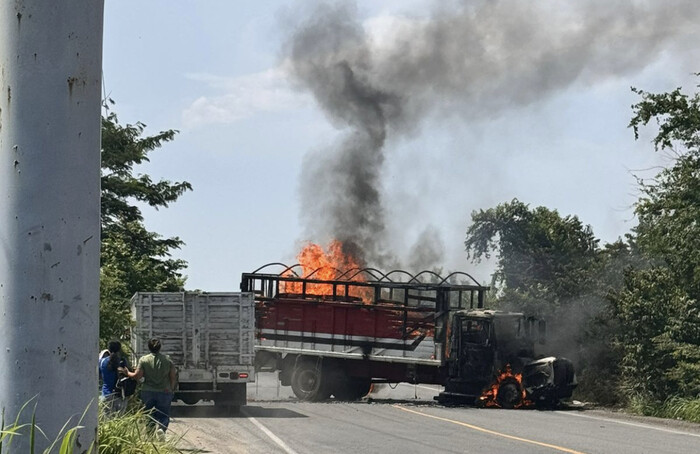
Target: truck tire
[[307, 382], [189, 400], [509, 393]]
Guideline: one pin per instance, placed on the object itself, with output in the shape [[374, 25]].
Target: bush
[[673, 407], [119, 434], [128, 433]]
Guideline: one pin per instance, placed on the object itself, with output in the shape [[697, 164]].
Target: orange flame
[[326, 265], [489, 398]]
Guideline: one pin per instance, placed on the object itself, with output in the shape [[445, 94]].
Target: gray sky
[[496, 100]]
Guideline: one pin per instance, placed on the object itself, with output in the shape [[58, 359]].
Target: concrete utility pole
[[50, 80]]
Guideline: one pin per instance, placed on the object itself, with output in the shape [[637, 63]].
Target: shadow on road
[[210, 411], [262, 412]]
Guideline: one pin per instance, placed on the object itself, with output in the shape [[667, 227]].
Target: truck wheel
[[509, 393], [189, 400], [307, 382]]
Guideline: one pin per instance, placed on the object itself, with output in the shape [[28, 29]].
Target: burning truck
[[334, 333]]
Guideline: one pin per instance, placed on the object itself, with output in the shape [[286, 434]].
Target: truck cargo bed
[[208, 336]]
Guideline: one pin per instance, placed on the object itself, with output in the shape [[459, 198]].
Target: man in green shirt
[[159, 378]]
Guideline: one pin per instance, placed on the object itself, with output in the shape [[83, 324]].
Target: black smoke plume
[[472, 59]]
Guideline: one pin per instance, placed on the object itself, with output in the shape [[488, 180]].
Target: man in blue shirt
[[109, 371]]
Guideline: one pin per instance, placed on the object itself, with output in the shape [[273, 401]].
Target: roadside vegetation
[[673, 408], [128, 434], [132, 258], [125, 434], [627, 313], [63, 443]]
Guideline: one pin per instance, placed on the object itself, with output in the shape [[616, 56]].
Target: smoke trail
[[427, 252], [472, 59]]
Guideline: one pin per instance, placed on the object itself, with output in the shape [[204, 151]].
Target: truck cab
[[491, 360]]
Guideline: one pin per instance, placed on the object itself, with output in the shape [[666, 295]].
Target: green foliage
[[631, 310], [659, 306], [65, 440], [660, 356], [673, 407], [668, 212], [14, 429], [677, 114], [552, 267], [669, 208], [132, 258], [122, 149], [128, 433], [544, 259]]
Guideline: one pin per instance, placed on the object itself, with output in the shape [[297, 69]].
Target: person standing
[[111, 364], [159, 379]]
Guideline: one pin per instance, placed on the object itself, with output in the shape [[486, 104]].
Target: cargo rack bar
[[378, 287]]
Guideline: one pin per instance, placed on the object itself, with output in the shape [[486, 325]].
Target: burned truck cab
[[476, 353], [471, 354], [491, 362]]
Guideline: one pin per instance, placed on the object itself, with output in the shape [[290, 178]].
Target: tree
[[658, 333], [669, 209], [659, 305], [552, 267], [132, 258], [631, 310], [544, 260]]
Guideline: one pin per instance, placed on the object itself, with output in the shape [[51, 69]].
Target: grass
[[15, 429], [64, 441], [126, 433], [674, 408]]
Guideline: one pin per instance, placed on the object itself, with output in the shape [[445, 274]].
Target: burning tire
[[509, 393], [307, 382]]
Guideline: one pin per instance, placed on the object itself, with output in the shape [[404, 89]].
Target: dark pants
[[158, 404]]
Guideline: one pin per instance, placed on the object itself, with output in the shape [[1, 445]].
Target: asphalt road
[[405, 420]]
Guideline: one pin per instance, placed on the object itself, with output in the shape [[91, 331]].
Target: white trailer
[[209, 336]]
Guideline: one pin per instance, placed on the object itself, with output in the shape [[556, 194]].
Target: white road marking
[[285, 447], [627, 423]]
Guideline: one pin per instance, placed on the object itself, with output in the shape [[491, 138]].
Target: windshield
[[475, 331]]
